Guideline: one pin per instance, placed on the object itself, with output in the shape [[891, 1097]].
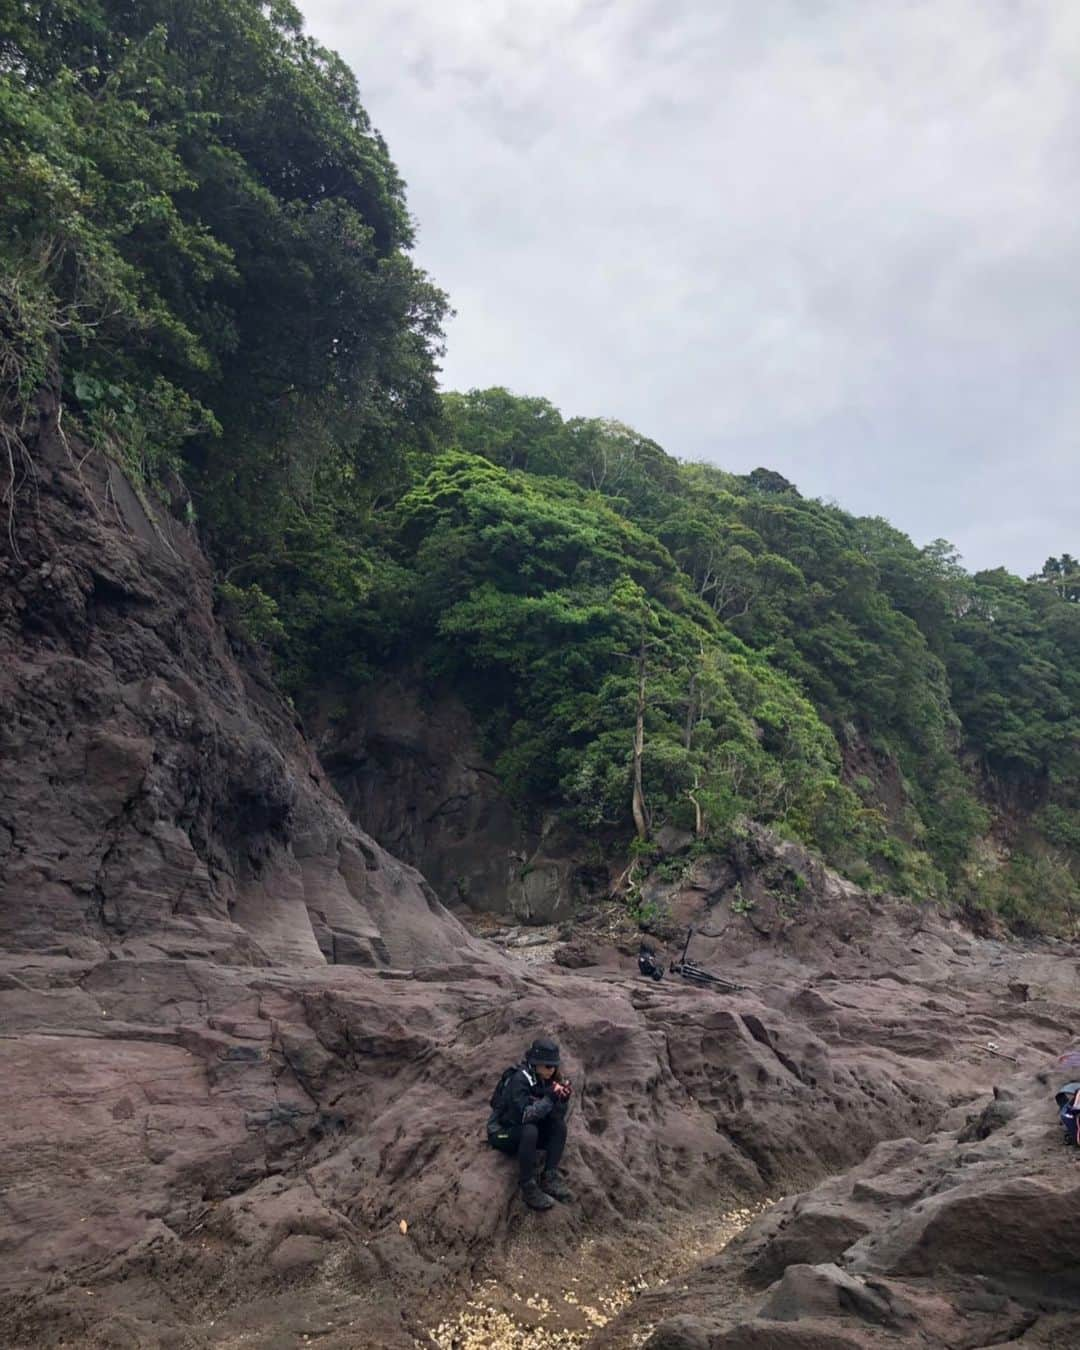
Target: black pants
[[527, 1140]]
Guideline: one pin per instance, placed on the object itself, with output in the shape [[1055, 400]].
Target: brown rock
[[157, 798], [824, 1291], [296, 1255], [680, 1333], [812, 1235]]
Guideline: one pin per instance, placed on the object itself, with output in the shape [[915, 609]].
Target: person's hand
[[561, 1090]]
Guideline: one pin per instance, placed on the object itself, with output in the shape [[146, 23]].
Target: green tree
[[1062, 575], [200, 228]]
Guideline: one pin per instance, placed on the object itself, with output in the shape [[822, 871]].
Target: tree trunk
[[699, 818], [691, 712], [641, 814]]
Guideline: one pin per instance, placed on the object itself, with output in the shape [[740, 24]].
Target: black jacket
[[527, 1099]]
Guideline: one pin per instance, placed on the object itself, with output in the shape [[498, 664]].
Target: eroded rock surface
[[176, 1128], [157, 799], [964, 1239]]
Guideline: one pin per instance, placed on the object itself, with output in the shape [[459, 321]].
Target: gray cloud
[[834, 237]]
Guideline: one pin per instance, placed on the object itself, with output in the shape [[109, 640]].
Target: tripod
[[696, 974]]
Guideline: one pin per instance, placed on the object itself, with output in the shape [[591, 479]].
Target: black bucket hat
[[543, 1051]]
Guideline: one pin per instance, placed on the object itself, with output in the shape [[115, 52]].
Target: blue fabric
[[1069, 1115]]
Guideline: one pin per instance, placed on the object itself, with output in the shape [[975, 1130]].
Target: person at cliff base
[[528, 1117]]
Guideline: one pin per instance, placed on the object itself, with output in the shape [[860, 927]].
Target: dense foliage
[[204, 244], [943, 694], [555, 611], [200, 229]]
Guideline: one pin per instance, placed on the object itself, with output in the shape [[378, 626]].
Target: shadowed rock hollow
[[247, 1054], [410, 767]]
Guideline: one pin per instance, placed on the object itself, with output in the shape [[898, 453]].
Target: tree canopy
[[963, 688], [201, 230]]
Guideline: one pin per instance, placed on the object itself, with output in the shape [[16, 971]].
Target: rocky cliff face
[[157, 800], [409, 766], [247, 1054]]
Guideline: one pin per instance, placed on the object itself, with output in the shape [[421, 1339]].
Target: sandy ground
[[597, 1282]]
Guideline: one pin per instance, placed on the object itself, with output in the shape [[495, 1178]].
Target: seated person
[[529, 1116]]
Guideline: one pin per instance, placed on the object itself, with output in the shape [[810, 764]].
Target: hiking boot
[[534, 1197], [552, 1184]]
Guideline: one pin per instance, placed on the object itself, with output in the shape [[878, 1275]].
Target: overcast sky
[[838, 238]]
